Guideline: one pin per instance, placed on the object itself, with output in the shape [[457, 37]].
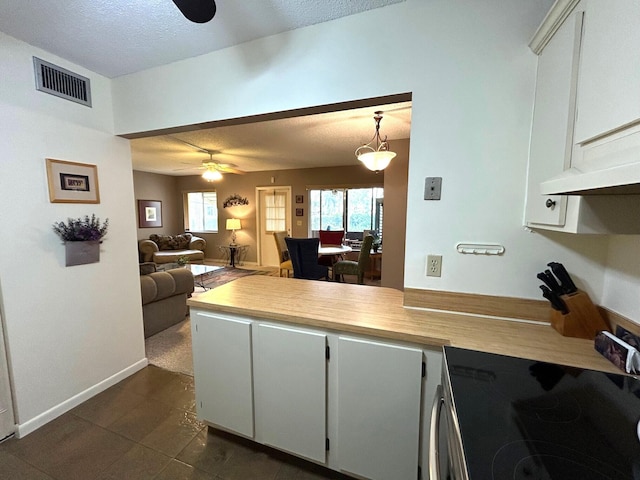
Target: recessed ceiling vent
[[62, 83]]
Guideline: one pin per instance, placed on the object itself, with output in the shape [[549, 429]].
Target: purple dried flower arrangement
[[81, 229]]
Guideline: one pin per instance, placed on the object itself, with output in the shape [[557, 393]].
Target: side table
[[233, 254]]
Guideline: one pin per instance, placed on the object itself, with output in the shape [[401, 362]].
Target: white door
[[379, 396], [274, 215], [222, 369], [289, 367], [7, 423]]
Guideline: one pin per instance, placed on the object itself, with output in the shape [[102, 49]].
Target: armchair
[[283, 252], [304, 257], [349, 267]]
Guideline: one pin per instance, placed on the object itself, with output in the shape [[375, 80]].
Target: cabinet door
[[553, 121], [222, 371], [290, 380], [379, 395], [608, 93]]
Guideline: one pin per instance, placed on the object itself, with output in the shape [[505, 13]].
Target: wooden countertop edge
[[381, 314]]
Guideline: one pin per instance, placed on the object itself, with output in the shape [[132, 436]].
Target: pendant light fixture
[[377, 158], [211, 174]]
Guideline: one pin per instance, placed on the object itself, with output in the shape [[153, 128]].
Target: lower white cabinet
[[290, 389], [304, 390], [222, 371], [378, 409]]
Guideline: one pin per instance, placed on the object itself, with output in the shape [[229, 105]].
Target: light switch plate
[[432, 188]]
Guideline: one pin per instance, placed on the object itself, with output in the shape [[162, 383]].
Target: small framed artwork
[[72, 182], [299, 212], [299, 198], [149, 213]]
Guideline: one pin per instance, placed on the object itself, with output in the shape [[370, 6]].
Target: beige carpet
[[171, 348]]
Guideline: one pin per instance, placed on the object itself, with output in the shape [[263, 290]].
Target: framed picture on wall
[[72, 182], [149, 213], [299, 212], [299, 198]]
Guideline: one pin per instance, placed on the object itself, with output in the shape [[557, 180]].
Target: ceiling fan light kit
[[377, 158], [211, 174]]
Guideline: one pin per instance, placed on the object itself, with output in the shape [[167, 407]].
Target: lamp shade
[[376, 161], [211, 175], [233, 224]]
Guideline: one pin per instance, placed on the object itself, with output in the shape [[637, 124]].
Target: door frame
[[260, 220]]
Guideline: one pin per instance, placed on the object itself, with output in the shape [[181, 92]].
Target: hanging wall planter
[[82, 238], [81, 253]]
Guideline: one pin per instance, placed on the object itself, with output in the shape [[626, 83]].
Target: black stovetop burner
[[524, 420]]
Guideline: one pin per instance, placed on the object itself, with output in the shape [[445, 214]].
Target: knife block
[[583, 319]]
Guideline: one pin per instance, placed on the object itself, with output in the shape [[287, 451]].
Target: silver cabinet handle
[[434, 435]]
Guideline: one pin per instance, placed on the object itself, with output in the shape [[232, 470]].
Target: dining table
[[333, 250]]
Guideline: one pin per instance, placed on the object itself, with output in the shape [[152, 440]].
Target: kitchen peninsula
[[342, 375]]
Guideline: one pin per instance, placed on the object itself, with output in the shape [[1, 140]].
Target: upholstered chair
[[283, 252], [349, 267], [304, 257]]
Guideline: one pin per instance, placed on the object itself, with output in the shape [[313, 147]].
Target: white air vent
[[62, 83]]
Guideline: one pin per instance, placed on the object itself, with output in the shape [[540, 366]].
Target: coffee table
[[200, 272]]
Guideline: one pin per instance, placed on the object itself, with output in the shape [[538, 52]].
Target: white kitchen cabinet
[[608, 93], [279, 385], [554, 153], [553, 122], [290, 389], [379, 396], [222, 371]]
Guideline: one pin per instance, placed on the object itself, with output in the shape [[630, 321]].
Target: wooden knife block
[[582, 321]]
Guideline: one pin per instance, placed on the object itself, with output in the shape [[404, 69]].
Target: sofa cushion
[[171, 242], [159, 285]]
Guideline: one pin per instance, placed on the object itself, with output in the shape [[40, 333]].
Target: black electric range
[[521, 419]]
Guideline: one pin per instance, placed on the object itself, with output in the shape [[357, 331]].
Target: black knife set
[[573, 313]]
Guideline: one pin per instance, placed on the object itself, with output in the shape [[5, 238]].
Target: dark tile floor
[[144, 427]]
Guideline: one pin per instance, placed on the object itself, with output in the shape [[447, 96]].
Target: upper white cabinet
[[609, 91], [553, 121], [577, 143]]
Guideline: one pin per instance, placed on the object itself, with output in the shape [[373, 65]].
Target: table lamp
[[233, 224]]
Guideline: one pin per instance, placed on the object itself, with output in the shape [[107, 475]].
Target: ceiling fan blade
[[198, 11], [228, 169]]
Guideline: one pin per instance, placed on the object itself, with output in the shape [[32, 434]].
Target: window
[[358, 209], [201, 212], [276, 212]]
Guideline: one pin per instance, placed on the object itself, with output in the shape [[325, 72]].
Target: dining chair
[[304, 257], [349, 267], [283, 252], [330, 238]]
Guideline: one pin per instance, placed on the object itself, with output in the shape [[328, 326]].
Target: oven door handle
[[434, 435]]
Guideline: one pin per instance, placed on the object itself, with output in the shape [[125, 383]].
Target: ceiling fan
[[198, 11], [213, 169]]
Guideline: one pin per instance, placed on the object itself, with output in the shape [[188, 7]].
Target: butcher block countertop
[[379, 312]]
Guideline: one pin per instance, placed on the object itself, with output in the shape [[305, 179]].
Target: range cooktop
[[522, 420]]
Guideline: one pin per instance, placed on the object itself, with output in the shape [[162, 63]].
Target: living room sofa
[[164, 297], [169, 248]]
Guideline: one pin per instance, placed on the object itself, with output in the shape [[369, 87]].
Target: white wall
[[622, 278], [70, 331], [472, 77]]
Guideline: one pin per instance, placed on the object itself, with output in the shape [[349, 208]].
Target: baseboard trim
[[29, 426], [495, 306]]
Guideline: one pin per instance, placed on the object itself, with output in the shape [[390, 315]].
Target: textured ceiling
[[117, 37], [322, 140]]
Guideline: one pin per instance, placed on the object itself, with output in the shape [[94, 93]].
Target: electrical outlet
[[434, 265]]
